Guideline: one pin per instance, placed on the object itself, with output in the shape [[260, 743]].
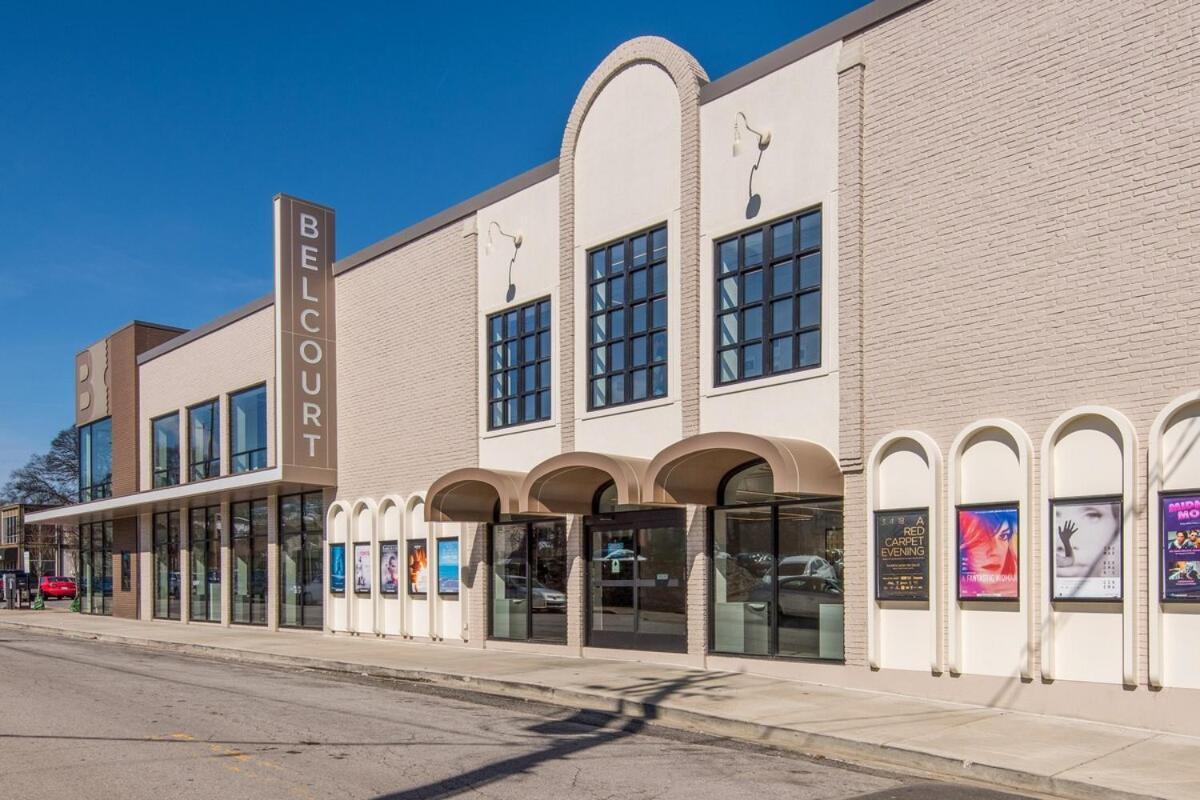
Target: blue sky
[[141, 144]]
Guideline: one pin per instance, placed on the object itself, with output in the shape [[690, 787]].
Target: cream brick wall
[[1029, 185], [406, 371], [235, 357]]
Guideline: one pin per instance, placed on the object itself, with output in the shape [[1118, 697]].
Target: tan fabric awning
[[472, 494], [568, 483], [690, 471]]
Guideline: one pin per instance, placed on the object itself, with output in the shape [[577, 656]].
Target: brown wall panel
[[125, 539]]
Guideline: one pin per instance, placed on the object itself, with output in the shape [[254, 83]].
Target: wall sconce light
[[764, 136], [754, 204], [517, 239]]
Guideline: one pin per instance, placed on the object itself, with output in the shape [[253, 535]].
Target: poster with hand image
[[362, 568], [1180, 531], [418, 568], [988, 552], [1087, 553], [337, 568], [389, 567]]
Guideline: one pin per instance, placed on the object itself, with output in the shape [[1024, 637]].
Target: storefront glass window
[[166, 565], [249, 544], [302, 567], [204, 449], [95, 461], [205, 547], [529, 581], [96, 571]]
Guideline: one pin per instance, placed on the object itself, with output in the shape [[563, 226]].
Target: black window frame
[[234, 455], [302, 534], [213, 459], [212, 522], [172, 476], [92, 490], [256, 541], [767, 298], [543, 355], [627, 337], [161, 540]]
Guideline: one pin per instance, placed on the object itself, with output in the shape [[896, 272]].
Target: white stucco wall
[[798, 105], [627, 178], [533, 213]]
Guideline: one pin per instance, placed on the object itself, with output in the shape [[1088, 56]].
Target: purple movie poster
[[1181, 547]]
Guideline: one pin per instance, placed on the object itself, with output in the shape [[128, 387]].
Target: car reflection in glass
[[544, 598]]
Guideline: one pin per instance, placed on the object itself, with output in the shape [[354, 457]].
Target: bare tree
[[48, 479]]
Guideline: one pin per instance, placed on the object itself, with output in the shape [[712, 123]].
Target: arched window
[[749, 483], [606, 499]]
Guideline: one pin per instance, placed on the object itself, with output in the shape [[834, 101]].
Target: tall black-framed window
[[301, 562], [248, 429], [164, 435], [95, 460], [519, 368], [248, 535], [627, 320], [166, 565], [205, 546], [768, 299], [96, 569], [776, 573], [204, 441]]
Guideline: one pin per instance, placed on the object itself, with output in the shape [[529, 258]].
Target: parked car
[[544, 598], [800, 597], [814, 566], [58, 587]]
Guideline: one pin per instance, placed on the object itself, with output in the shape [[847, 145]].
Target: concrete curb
[[821, 745]]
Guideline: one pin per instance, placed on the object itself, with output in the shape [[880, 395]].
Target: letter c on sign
[[309, 346], [304, 315]]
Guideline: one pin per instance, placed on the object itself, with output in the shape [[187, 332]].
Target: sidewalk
[[1025, 752]]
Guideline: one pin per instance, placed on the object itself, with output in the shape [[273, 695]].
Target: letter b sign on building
[[304, 333]]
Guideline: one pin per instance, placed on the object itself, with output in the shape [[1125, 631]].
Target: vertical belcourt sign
[[305, 416]]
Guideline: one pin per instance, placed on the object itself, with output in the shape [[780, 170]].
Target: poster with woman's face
[[362, 568], [389, 567], [418, 567], [337, 567], [987, 553], [1181, 547], [1087, 549]]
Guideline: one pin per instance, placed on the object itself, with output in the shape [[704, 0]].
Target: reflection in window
[[768, 300], [164, 436], [204, 449], [95, 460], [519, 365], [301, 563], [249, 540], [248, 430], [627, 320], [205, 542]]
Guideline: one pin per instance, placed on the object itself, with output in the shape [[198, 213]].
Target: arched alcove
[[990, 491], [390, 534], [904, 492], [1089, 570], [363, 519], [337, 527]]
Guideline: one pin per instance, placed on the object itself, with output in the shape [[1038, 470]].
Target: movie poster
[[418, 567], [1087, 549], [447, 566], [362, 568], [902, 555], [337, 567], [987, 553], [389, 567], [1181, 547]]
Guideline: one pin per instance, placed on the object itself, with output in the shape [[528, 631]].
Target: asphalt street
[[89, 719]]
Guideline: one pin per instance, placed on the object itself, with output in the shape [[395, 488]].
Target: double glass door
[[529, 581], [302, 568], [637, 580]]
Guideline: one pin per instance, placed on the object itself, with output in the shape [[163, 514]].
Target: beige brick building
[[868, 363]]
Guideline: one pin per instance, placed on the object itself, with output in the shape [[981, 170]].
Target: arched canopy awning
[[690, 471], [472, 494], [568, 483]]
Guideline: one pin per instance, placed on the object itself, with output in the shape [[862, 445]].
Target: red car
[[56, 586]]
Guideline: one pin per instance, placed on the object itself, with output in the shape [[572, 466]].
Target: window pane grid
[[204, 450], [627, 320], [768, 300], [518, 355]]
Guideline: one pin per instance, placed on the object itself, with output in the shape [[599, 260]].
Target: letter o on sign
[[310, 352]]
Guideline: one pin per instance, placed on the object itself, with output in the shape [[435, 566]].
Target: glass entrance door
[[637, 580], [529, 581]]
